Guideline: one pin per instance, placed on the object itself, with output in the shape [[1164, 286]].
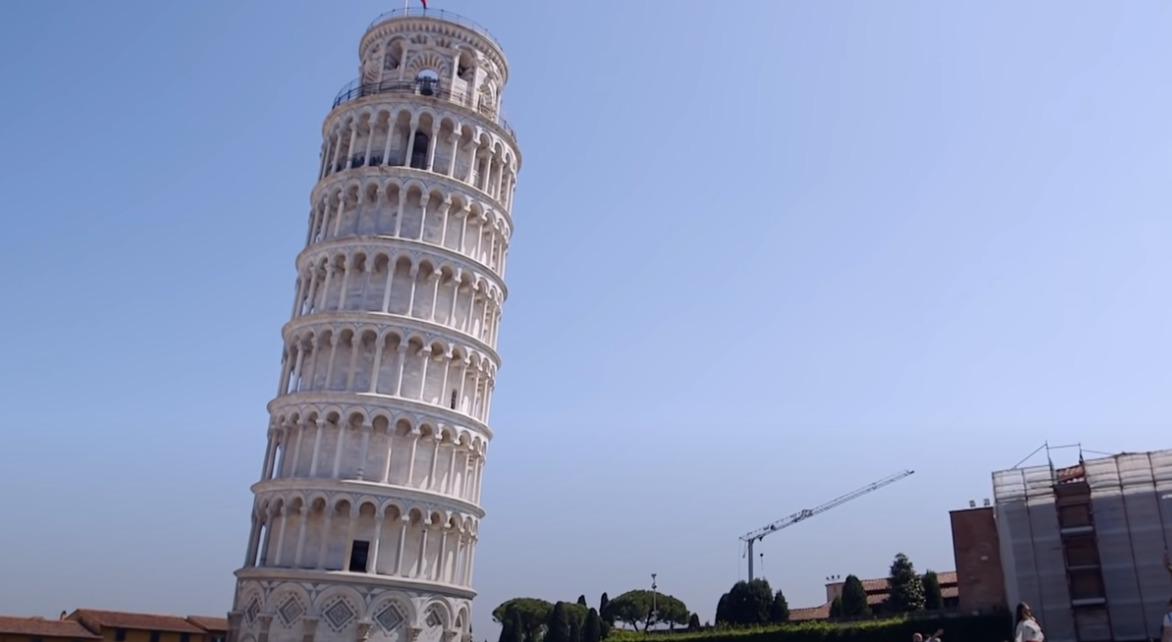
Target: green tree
[[508, 629], [576, 625], [746, 604], [722, 610], [558, 627], [577, 616], [836, 608], [533, 614], [602, 608], [512, 629], [644, 606], [933, 598], [779, 609], [582, 600], [694, 622], [592, 630], [906, 588], [854, 598]]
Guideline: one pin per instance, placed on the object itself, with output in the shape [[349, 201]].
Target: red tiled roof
[[812, 613], [876, 594], [207, 623], [96, 620], [946, 578], [40, 627]]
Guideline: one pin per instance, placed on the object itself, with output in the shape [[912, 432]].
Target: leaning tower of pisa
[[365, 518]]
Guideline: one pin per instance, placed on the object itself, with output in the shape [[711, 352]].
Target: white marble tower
[[365, 519]]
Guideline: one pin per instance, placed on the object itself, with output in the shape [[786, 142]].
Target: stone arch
[[442, 611], [289, 603], [252, 603], [463, 619], [392, 614], [339, 608]]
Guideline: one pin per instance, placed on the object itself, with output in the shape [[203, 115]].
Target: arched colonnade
[[424, 138], [410, 209], [375, 279]]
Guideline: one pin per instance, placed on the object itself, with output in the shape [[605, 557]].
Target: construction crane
[[757, 535]]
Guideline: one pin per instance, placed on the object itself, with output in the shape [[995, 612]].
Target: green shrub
[[982, 628]]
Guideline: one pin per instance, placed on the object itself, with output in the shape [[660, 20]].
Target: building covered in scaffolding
[[1086, 546]]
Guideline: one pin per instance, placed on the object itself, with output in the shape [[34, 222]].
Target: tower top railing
[[438, 14], [355, 89]]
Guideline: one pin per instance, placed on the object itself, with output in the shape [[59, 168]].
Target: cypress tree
[[582, 600], [854, 598], [558, 629], [836, 608], [602, 612], [694, 622], [933, 598], [779, 609], [575, 626], [593, 629]]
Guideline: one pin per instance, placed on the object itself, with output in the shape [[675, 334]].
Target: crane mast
[[759, 534]]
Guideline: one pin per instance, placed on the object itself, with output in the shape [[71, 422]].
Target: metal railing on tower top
[[354, 90], [438, 14]]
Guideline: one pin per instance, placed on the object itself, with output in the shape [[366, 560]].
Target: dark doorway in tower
[[419, 152], [358, 554]]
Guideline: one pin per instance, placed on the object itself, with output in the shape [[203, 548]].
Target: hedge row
[[970, 628]]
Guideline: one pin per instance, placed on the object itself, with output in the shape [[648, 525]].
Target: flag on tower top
[[424, 3]]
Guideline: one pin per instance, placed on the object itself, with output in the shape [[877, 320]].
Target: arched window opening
[[464, 69], [453, 402], [427, 82], [419, 151], [392, 57]]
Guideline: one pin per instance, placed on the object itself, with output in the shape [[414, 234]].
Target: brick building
[[976, 549]]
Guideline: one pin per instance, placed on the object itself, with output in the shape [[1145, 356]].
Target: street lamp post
[[654, 618]]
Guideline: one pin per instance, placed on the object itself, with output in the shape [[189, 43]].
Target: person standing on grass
[[1027, 628]]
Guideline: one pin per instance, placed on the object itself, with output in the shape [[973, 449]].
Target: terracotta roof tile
[[96, 620], [946, 579], [812, 613], [208, 623], [40, 627], [876, 589]]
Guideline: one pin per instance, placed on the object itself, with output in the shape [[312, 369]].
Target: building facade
[[1085, 545], [878, 591], [975, 548], [37, 629], [366, 515], [123, 626]]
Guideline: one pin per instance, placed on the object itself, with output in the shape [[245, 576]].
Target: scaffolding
[[1031, 550], [1127, 493], [1085, 545]]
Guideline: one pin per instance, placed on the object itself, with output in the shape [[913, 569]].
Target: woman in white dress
[[1028, 629]]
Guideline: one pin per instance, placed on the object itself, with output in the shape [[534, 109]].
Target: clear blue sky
[[765, 252]]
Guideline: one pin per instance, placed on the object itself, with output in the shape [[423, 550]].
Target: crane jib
[[759, 534]]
